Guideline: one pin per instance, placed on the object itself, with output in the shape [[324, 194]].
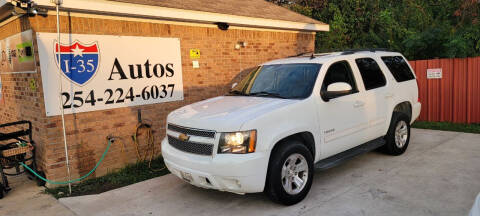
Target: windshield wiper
[[268, 94], [237, 92]]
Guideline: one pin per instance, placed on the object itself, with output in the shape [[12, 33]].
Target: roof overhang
[[5, 10], [104, 7]]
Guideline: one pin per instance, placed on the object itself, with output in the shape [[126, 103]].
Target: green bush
[[448, 126], [420, 29]]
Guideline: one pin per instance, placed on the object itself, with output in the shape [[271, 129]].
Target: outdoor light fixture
[[57, 2], [222, 25], [241, 44], [25, 4], [24, 7]]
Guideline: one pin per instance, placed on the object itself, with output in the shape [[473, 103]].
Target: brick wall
[[20, 102], [220, 63]]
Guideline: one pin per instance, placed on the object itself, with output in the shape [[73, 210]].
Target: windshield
[[281, 81]]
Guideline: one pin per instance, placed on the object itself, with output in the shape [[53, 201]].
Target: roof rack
[[313, 55], [310, 54], [352, 51], [301, 54]]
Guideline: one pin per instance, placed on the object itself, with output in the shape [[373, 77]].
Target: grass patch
[[126, 176], [447, 126]]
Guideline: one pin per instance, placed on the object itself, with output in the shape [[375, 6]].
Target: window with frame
[[399, 68], [372, 75], [340, 72]]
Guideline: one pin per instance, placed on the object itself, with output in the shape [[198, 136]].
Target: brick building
[[255, 31]]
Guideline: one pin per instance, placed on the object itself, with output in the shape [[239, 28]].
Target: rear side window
[[399, 68], [372, 75]]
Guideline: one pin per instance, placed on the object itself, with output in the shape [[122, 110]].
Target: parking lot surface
[[438, 175], [26, 198]]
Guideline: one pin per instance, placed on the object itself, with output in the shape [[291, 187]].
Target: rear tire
[[398, 135], [290, 173]]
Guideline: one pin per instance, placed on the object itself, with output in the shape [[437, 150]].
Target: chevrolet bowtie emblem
[[183, 137]]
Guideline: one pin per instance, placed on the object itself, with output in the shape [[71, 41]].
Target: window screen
[[339, 72], [372, 75], [399, 68]]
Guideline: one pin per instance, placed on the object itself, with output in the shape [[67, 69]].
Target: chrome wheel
[[294, 174], [401, 134]]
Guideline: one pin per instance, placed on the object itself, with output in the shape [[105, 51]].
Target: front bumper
[[237, 173]]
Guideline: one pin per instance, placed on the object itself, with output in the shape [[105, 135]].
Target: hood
[[225, 113]]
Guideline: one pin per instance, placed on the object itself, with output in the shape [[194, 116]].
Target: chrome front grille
[[192, 131], [191, 147]]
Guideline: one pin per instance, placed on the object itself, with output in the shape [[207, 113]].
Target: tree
[[420, 29]]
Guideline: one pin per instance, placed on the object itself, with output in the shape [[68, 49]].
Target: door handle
[[358, 104], [389, 95]]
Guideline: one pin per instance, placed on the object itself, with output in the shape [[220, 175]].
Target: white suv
[[291, 116]]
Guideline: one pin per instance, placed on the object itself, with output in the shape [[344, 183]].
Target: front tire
[[290, 173], [398, 135]]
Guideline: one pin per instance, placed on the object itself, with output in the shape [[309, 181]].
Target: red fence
[[456, 96]]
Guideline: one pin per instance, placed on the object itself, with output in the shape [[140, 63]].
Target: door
[[377, 96], [342, 119]]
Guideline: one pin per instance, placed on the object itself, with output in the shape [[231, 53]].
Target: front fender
[[278, 124]]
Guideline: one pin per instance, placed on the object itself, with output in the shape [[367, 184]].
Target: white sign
[[195, 64], [435, 73], [16, 54], [100, 72]]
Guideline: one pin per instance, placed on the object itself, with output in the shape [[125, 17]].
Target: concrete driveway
[[28, 199], [438, 175]]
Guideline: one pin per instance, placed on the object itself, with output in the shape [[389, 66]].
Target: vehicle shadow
[[327, 185], [362, 184]]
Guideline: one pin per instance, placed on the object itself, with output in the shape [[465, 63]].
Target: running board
[[349, 154]]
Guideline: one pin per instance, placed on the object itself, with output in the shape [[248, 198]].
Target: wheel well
[[304, 137], [404, 107]]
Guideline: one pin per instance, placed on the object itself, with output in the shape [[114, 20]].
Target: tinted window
[[282, 80], [372, 75], [399, 68], [339, 72]]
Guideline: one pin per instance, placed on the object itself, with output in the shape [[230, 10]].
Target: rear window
[[399, 68], [371, 73]]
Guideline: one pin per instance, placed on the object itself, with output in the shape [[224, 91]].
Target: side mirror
[[335, 90], [234, 84]]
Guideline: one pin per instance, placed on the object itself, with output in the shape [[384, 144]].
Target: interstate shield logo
[[78, 62]]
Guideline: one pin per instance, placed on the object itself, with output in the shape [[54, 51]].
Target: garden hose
[[150, 151], [110, 141]]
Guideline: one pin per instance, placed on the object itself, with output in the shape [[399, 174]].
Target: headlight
[[238, 142]]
